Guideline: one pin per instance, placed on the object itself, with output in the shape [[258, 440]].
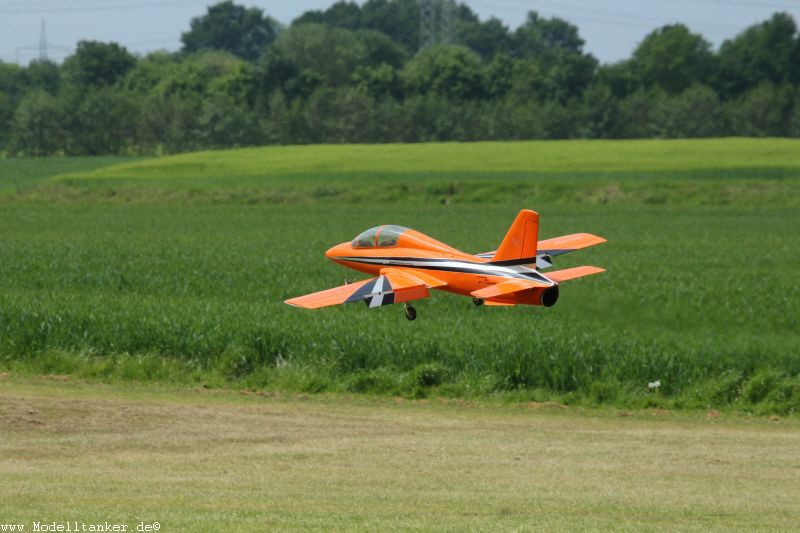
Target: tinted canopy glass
[[380, 236]]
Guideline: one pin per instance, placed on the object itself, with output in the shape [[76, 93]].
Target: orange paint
[[407, 263]]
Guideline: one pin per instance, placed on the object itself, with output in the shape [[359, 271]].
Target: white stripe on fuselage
[[517, 271]]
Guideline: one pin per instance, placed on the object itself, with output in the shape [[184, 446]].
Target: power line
[[41, 47], [114, 7], [601, 16], [43, 44], [745, 3], [436, 22]]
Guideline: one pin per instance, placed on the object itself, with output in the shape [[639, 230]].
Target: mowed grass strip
[[479, 157], [200, 461]]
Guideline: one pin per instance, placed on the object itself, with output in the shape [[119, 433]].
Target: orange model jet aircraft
[[407, 263]]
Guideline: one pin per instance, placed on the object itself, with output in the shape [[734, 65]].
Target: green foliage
[[12, 79], [429, 375], [603, 392], [488, 38], [399, 19], [381, 49], [44, 75], [600, 111], [724, 389], [696, 112], [101, 121], [760, 385], [673, 59], [359, 74], [341, 14], [38, 125], [333, 54], [539, 37], [764, 111], [446, 70], [766, 52], [95, 63], [376, 381], [243, 32], [557, 49]]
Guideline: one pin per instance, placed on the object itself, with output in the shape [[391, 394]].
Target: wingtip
[[597, 239]]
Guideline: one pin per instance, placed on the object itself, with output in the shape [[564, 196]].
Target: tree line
[[373, 73]]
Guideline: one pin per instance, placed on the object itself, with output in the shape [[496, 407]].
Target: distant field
[[503, 157], [18, 174], [186, 283], [227, 462], [698, 172]]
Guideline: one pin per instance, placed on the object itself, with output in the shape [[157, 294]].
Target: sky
[[611, 28]]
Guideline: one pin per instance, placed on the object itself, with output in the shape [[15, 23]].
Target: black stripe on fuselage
[[466, 267]]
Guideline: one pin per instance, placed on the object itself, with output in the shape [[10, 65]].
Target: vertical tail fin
[[521, 239]]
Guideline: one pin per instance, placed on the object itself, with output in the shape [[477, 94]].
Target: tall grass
[[704, 299]]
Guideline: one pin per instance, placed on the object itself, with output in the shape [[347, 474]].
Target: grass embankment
[[703, 298], [17, 175], [716, 171], [220, 461]]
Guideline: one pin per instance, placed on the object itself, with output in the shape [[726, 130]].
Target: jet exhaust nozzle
[[549, 296]]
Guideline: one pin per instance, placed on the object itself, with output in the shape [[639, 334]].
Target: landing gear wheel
[[411, 313], [478, 302]]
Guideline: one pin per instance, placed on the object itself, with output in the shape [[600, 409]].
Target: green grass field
[[559, 157], [707, 172], [175, 269], [18, 174]]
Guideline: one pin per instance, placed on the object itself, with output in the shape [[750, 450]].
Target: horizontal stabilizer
[[568, 243], [507, 287], [572, 273], [548, 248]]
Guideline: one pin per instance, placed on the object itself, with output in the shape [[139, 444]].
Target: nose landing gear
[[411, 313]]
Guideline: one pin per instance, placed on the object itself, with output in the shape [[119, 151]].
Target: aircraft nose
[[336, 251]]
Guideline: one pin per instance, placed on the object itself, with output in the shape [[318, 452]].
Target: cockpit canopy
[[380, 236]]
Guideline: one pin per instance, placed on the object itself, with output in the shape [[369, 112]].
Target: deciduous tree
[[244, 32]]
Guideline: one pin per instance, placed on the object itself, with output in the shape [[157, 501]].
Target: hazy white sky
[[611, 28]]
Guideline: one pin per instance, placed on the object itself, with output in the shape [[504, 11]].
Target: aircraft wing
[[405, 277], [392, 286], [568, 243]]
